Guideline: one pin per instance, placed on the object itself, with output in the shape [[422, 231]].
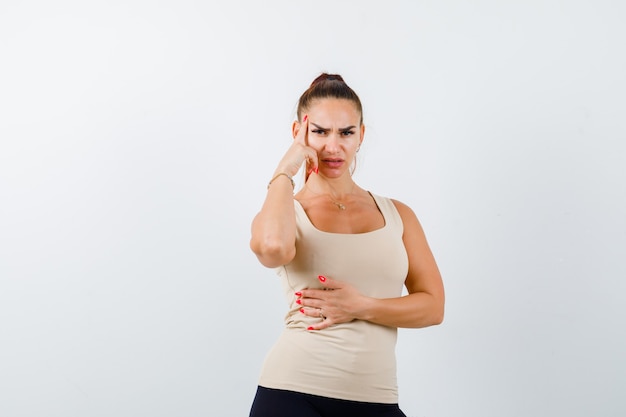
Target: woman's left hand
[[338, 302]]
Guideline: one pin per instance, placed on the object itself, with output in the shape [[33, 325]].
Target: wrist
[[280, 176], [365, 309]]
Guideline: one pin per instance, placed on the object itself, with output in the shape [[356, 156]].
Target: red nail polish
[[298, 294], [298, 301], [322, 278], [309, 328], [306, 116], [302, 310], [316, 169]]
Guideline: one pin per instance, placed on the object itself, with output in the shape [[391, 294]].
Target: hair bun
[[327, 77], [328, 86]]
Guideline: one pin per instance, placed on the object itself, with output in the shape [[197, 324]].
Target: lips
[[333, 162]]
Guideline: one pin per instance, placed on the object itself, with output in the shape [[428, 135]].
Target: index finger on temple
[[303, 133]]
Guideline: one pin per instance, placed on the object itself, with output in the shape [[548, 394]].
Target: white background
[[137, 139]]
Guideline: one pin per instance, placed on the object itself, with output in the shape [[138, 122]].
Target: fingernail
[[298, 301], [302, 310], [298, 294], [309, 328], [322, 278], [306, 116], [316, 169]]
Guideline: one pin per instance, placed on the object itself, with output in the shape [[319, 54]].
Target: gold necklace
[[339, 204]]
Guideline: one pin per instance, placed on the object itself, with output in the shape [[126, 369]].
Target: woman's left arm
[[423, 306]]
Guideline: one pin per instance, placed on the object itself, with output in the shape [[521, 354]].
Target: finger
[[309, 302], [311, 162], [320, 326], [329, 283], [303, 132], [302, 137], [306, 130], [311, 297], [313, 312]]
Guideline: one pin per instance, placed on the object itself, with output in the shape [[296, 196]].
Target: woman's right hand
[[299, 152]]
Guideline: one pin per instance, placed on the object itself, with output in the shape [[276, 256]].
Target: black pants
[[270, 402]]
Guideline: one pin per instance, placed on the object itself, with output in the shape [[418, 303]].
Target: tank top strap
[[390, 212]]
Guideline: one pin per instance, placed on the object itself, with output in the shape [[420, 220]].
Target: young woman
[[343, 255]]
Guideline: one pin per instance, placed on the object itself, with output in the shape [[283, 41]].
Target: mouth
[[333, 162]]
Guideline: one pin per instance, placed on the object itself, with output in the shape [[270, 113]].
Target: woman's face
[[335, 132]]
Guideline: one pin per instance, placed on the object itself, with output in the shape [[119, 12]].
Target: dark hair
[[328, 86]]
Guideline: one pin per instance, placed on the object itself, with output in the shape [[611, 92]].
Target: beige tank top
[[351, 361]]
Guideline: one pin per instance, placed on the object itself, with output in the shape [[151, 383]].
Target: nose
[[332, 144]]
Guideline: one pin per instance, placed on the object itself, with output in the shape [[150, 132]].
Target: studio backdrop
[[137, 139]]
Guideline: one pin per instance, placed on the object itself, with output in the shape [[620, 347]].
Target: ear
[[295, 128], [362, 134]]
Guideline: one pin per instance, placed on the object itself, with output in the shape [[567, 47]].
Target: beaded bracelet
[[293, 184]]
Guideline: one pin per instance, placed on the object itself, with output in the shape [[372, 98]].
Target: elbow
[[438, 318], [438, 311], [437, 308], [433, 319], [272, 254], [434, 316], [438, 314]]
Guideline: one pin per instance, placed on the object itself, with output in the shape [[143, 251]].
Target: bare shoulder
[[409, 218], [402, 208]]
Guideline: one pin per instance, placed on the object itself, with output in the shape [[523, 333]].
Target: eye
[[318, 131], [347, 133]]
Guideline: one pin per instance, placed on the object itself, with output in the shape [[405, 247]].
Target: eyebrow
[[343, 129]]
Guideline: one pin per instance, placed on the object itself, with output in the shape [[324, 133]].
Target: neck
[[336, 187]]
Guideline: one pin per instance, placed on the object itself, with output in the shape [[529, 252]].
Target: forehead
[[334, 111]]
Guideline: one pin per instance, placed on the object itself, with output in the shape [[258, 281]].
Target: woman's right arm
[[274, 228]]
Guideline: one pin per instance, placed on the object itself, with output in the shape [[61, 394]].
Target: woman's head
[[335, 124], [328, 86]]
